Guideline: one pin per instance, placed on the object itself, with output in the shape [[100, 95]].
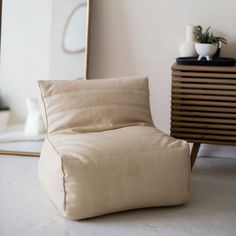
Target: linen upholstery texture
[[102, 153]]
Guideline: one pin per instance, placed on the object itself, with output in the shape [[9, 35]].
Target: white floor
[[26, 211]]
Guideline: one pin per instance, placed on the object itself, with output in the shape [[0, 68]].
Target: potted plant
[[207, 43]]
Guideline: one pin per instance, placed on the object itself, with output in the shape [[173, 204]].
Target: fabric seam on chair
[[101, 140], [122, 125], [127, 154], [82, 91], [62, 169], [105, 105], [129, 137], [189, 170]]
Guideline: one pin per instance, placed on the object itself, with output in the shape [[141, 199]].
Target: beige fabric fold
[[102, 153]]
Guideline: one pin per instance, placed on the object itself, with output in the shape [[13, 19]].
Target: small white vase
[[206, 50], [34, 123], [187, 48]]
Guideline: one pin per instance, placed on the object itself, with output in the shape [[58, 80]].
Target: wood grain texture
[[202, 91], [203, 105], [194, 153], [203, 75], [204, 108], [203, 131], [220, 69], [203, 86], [203, 114], [202, 125], [204, 120], [204, 97], [19, 153], [203, 80]]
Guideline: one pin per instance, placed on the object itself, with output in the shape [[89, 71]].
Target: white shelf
[[13, 138]]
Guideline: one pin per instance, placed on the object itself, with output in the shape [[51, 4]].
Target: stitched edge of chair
[[190, 171], [61, 156]]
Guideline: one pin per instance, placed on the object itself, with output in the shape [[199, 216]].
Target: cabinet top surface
[[204, 68]]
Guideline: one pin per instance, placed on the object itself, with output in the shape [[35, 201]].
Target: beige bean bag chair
[[103, 154]]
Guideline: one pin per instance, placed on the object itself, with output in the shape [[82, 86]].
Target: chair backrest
[[95, 105]]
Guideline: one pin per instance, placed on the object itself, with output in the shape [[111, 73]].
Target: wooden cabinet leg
[[194, 153]]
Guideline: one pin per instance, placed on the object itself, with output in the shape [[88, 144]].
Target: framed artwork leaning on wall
[[52, 46]]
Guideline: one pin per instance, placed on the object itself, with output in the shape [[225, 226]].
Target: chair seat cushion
[[96, 173]]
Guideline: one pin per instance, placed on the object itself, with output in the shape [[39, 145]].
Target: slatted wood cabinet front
[[203, 107]]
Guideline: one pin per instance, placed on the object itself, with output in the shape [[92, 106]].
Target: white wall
[[31, 50], [24, 51], [143, 37]]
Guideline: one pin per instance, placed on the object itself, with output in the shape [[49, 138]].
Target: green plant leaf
[[207, 36]]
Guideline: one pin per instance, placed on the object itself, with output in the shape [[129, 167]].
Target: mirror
[[52, 47]]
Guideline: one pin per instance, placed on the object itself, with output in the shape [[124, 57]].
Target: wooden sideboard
[[203, 105]]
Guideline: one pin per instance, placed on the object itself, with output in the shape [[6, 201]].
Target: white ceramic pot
[[206, 50]]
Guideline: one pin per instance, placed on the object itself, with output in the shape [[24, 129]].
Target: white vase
[[187, 48], [206, 50], [34, 124]]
